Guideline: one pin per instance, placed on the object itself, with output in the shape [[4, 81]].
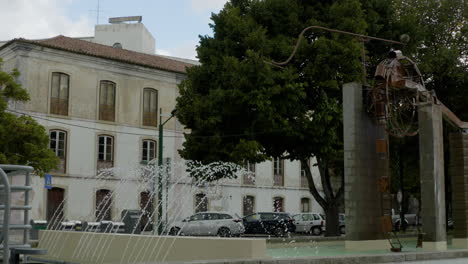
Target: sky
[[175, 24]]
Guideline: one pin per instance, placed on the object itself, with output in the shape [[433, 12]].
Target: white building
[[100, 104]]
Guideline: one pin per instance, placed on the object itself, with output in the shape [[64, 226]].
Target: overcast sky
[[175, 24]]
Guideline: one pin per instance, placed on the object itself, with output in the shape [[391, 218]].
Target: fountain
[[106, 245]]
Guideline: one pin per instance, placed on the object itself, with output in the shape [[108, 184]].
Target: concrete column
[[431, 155], [363, 168], [458, 170]]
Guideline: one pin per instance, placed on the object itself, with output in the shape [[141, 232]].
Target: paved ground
[[442, 261]]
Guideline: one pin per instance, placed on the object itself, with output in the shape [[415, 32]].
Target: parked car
[[342, 223], [277, 223], [313, 223], [221, 224]]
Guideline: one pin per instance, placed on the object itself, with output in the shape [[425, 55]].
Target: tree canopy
[[240, 107], [23, 140]]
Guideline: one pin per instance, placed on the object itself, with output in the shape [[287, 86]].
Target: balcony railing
[[104, 164], [59, 106], [248, 178], [278, 180], [61, 166]]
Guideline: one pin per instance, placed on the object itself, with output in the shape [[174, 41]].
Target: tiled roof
[[108, 52]]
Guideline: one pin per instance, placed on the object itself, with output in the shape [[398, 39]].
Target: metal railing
[[7, 171]]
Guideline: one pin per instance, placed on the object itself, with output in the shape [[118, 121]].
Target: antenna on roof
[[97, 12]]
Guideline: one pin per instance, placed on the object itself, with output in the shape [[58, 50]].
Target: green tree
[[240, 108], [23, 140], [439, 32]]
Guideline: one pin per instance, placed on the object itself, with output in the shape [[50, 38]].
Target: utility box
[[132, 221], [37, 225]]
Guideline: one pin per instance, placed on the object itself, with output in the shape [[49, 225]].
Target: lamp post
[[160, 161]]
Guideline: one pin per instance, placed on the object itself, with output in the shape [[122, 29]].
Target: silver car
[[221, 224], [313, 223]]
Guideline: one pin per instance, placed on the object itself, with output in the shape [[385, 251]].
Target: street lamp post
[[160, 162]]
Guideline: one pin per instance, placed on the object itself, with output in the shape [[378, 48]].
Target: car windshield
[[196, 217], [252, 217]]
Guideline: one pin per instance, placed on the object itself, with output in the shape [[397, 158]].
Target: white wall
[[132, 36], [80, 182]]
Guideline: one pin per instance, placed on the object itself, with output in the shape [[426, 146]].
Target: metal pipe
[[26, 204], [362, 37], [6, 216]]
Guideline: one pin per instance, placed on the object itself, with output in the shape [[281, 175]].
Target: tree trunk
[[332, 220], [330, 203]]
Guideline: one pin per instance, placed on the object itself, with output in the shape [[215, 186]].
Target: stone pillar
[[363, 168], [431, 156], [458, 170]]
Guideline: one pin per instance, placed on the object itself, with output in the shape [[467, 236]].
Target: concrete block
[[435, 246], [460, 242], [123, 247], [366, 245]]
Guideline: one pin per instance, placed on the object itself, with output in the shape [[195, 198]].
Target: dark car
[[277, 223]]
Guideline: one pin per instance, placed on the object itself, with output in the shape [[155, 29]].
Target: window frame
[[109, 205], [105, 163], [308, 204], [304, 182], [105, 108], [148, 151], [244, 203], [278, 172], [150, 118], [65, 149], [197, 207], [282, 209], [56, 106], [249, 176]]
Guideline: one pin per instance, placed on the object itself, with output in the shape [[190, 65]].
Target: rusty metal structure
[[398, 90], [397, 105]]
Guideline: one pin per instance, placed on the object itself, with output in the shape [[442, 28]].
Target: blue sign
[[48, 181]]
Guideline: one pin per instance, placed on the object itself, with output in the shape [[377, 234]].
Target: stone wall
[[458, 170], [363, 168], [85, 247]]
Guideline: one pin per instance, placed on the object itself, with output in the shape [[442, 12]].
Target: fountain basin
[[86, 247]]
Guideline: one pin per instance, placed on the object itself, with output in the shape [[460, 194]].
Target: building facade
[[101, 106]]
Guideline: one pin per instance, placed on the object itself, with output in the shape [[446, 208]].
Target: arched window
[[201, 203], [59, 93], [107, 101], [248, 205], [55, 205], [117, 45], [278, 172], [103, 205], [150, 107], [146, 206], [105, 152], [58, 144], [278, 205], [148, 150], [305, 205]]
